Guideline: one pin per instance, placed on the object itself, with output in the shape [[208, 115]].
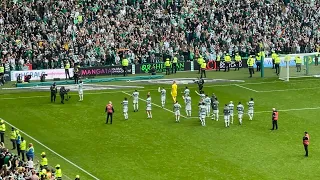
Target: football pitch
[[75, 135]]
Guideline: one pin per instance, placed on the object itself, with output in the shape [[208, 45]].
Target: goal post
[[289, 69]]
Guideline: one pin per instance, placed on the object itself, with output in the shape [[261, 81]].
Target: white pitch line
[[31, 97], [217, 85], [283, 110], [154, 104], [67, 160], [283, 90], [246, 88]]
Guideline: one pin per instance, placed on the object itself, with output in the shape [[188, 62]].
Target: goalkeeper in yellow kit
[[174, 91]]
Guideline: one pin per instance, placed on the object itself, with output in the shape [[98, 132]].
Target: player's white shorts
[[80, 92], [149, 108], [216, 111], [188, 107], [226, 118], [240, 116], [208, 106], [125, 110], [250, 111], [231, 113], [177, 113], [163, 98], [202, 116], [135, 101]]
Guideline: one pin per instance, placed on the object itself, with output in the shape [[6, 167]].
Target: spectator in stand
[[30, 152]]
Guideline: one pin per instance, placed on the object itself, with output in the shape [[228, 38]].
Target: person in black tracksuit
[[54, 92], [63, 91], [76, 75], [200, 83]]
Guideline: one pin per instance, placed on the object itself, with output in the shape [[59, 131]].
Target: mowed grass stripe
[[113, 91]]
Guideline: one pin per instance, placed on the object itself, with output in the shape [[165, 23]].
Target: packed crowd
[[44, 33], [22, 165]]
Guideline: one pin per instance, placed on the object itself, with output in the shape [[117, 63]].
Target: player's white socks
[[149, 115], [136, 107], [203, 122], [188, 112], [231, 119], [208, 112], [240, 121], [226, 123], [80, 97], [177, 118], [216, 117], [250, 116], [163, 103], [126, 116]]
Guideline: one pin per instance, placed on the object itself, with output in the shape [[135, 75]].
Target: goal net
[[309, 68]]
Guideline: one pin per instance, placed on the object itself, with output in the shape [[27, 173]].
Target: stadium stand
[[44, 33], [91, 32]]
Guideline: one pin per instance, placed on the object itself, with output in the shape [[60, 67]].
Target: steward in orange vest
[[275, 115], [109, 110], [305, 141]]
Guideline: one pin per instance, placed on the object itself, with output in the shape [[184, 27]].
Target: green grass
[[141, 148]]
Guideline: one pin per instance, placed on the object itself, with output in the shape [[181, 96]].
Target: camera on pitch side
[[43, 77]]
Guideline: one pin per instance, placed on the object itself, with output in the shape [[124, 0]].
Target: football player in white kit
[[203, 113], [163, 96], [125, 104], [149, 108], [202, 95], [250, 108], [231, 108], [207, 101], [226, 114], [135, 96], [176, 110], [80, 90], [186, 92], [187, 101]]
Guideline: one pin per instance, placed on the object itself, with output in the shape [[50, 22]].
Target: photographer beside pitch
[[63, 92]]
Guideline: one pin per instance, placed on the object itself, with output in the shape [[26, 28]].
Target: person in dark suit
[[54, 92], [63, 91]]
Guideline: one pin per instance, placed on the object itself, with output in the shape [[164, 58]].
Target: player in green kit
[[176, 110], [226, 113], [163, 96], [240, 109], [231, 108], [207, 101], [187, 101], [125, 104], [203, 112], [250, 108], [186, 92], [215, 109]]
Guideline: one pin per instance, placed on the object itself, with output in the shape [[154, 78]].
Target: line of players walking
[[205, 105]]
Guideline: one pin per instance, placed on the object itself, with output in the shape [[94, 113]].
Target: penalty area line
[[52, 151], [281, 110], [243, 87], [154, 104]]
